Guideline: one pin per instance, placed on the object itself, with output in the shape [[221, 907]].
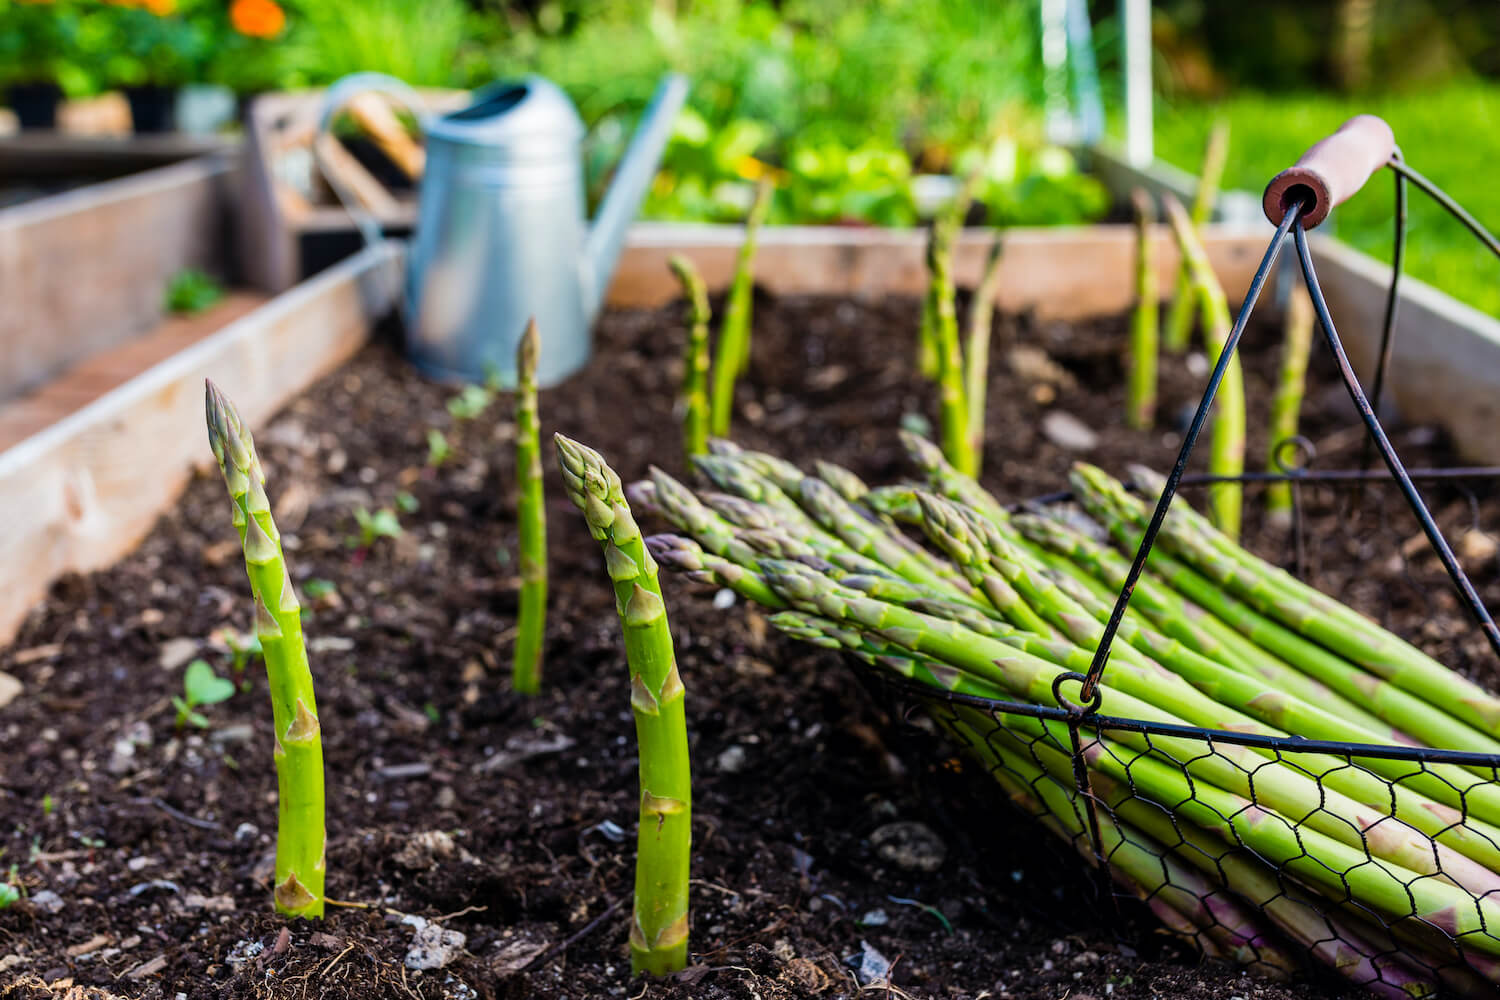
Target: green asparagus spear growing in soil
[[531, 512], [1179, 326], [659, 928], [695, 410], [301, 859], [1286, 405], [953, 415], [1226, 455], [1140, 385], [977, 351], [733, 354]]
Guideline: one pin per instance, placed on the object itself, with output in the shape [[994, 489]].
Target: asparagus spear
[[1126, 517], [1294, 789], [1203, 632], [301, 858], [531, 512], [1140, 384], [953, 415], [1179, 325], [695, 410], [659, 929], [1286, 406], [688, 557], [948, 480], [1226, 455], [845, 483], [733, 354], [1310, 612], [977, 354]]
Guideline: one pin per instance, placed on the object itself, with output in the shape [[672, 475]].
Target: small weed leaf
[[204, 687]]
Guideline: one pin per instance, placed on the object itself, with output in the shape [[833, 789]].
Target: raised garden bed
[[157, 843]]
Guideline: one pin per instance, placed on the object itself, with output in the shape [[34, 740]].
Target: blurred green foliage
[[840, 103], [1446, 133]]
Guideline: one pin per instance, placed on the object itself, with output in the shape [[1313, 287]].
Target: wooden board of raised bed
[[80, 492], [85, 270]]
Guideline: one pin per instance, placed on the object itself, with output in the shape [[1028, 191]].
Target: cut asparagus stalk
[[659, 927], [301, 855], [695, 409], [531, 512], [1281, 596]]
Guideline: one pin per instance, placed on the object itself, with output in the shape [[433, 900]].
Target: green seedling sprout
[[470, 403], [200, 686], [243, 650], [531, 512], [300, 838], [406, 503], [438, 448], [372, 527], [695, 408], [1140, 384], [659, 927], [318, 588], [942, 312], [9, 893], [1179, 324], [733, 354], [191, 291]]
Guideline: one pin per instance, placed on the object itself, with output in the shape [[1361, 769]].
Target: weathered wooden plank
[[82, 493], [1445, 368], [1062, 273], [85, 270], [92, 378]]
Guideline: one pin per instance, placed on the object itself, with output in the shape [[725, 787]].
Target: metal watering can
[[501, 235]]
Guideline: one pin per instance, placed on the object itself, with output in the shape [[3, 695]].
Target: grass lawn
[[1451, 134]]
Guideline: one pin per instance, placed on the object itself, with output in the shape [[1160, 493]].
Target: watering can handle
[[343, 90], [1332, 171]]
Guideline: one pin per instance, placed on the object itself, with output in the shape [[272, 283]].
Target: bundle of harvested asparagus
[[1205, 793]]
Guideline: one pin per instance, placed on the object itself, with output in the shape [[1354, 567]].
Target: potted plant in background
[[149, 49], [36, 43], [247, 54]]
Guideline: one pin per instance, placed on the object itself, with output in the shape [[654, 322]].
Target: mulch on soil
[[146, 851]]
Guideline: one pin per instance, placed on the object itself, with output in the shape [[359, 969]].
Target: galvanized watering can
[[501, 234]]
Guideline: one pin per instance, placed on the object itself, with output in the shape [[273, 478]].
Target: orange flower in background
[[161, 8], [257, 18]]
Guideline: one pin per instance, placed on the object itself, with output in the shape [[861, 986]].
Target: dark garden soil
[[146, 851]]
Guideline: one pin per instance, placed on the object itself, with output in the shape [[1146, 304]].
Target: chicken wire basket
[[1378, 861]]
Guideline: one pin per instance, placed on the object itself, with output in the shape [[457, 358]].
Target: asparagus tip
[[529, 348]]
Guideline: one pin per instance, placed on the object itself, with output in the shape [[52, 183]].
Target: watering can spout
[[607, 234]]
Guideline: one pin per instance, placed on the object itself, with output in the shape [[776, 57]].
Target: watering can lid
[[512, 112]]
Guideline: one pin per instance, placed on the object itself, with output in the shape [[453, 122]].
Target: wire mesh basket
[[1381, 862]]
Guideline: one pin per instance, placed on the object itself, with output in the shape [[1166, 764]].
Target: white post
[[1136, 15]]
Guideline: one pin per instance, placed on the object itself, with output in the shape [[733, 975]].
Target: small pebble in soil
[[869, 965], [1196, 363], [724, 599], [910, 845], [246, 833], [1477, 546], [874, 918], [732, 759], [47, 901], [1068, 432], [432, 946]]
